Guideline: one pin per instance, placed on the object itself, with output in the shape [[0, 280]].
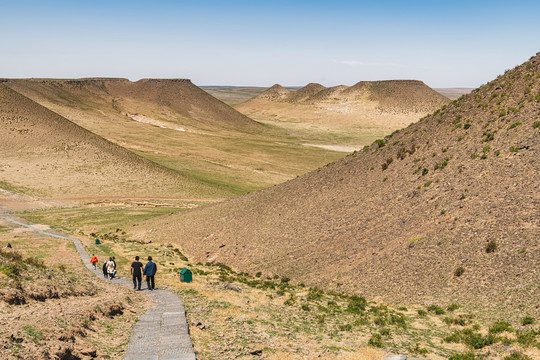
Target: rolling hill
[[445, 210], [179, 126], [47, 155], [345, 115]]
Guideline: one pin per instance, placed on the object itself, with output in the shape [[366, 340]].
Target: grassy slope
[[285, 321], [220, 147], [399, 219], [51, 156]]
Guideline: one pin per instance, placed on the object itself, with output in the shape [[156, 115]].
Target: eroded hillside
[[443, 211]]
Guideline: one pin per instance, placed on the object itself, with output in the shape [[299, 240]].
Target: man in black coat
[[136, 267]]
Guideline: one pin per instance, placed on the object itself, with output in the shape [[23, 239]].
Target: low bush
[[491, 246], [459, 271], [500, 326]]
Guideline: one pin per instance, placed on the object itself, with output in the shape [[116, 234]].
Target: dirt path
[[161, 333]]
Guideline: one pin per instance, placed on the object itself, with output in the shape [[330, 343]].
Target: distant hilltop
[[404, 95]]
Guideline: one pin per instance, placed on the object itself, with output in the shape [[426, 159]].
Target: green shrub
[[500, 326], [516, 124], [436, 309], [527, 338], [345, 327], [527, 320], [459, 271], [380, 143], [258, 274], [488, 136], [305, 307], [357, 304], [491, 246], [442, 164], [290, 301], [453, 307], [376, 340], [421, 312], [454, 338], [536, 124], [314, 293]]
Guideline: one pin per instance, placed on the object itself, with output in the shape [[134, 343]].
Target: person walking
[[94, 261], [136, 268], [150, 270], [104, 268], [110, 268], [115, 268]]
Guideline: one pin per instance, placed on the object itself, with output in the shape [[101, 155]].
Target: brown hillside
[[49, 155], [305, 92], [398, 95], [181, 127], [345, 116], [457, 190], [177, 101], [274, 93]]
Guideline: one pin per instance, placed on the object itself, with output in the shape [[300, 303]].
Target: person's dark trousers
[[137, 278], [150, 281]]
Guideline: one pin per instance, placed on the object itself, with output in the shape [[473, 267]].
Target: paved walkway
[[161, 333]]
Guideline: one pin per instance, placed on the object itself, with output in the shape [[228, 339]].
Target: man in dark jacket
[[150, 270], [136, 267]]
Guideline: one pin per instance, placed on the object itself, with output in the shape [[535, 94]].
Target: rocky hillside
[[445, 210], [48, 155]]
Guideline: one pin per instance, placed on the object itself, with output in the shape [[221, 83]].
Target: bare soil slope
[[48, 155], [446, 210]]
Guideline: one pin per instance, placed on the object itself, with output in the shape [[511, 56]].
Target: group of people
[[137, 271]]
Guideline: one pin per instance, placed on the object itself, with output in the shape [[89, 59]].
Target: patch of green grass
[[34, 334]]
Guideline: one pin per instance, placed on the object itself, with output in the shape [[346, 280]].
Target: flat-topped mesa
[[40, 144], [398, 95], [305, 92], [331, 93], [186, 103]]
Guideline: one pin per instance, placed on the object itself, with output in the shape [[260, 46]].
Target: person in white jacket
[[111, 268]]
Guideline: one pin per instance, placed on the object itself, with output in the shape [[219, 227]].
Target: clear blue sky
[[443, 43]]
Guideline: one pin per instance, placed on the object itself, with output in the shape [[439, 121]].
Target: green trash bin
[[97, 241], [186, 275]]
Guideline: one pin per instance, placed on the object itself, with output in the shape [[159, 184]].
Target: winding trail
[[162, 333]]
